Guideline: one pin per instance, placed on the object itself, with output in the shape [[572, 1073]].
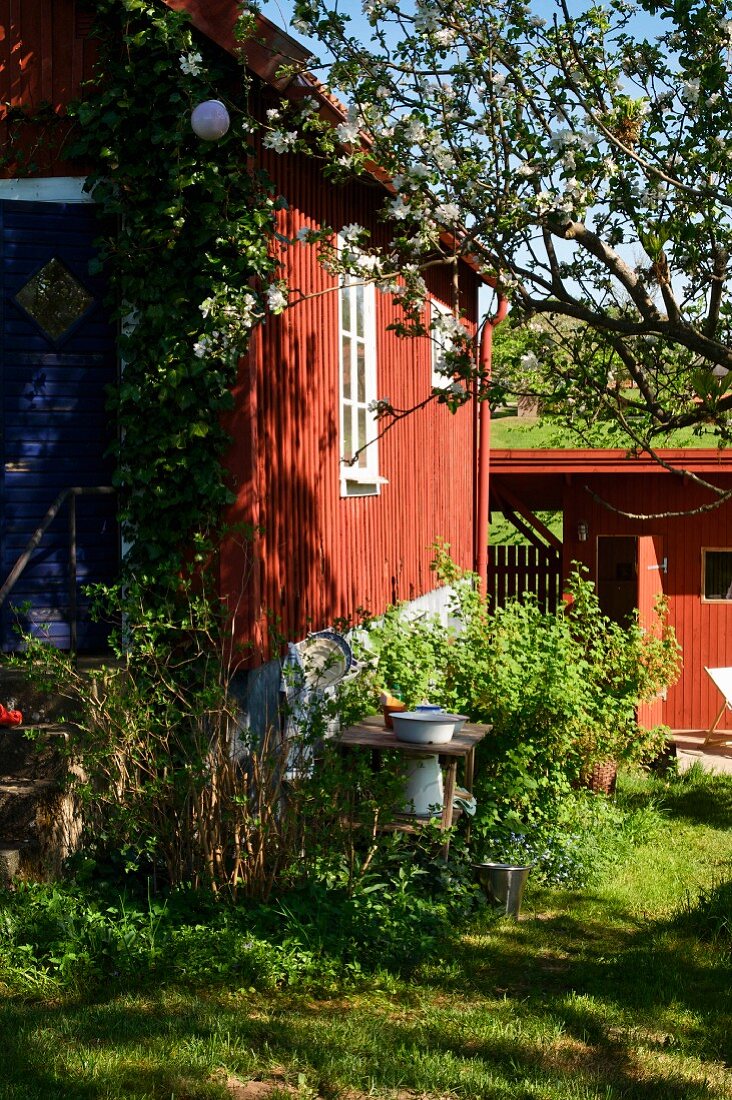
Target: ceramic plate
[[326, 658]]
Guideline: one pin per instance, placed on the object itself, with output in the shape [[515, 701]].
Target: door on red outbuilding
[[631, 570]]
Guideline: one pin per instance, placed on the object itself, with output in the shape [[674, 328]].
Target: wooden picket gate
[[515, 570]]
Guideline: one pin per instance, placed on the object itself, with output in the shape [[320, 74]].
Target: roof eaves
[[267, 53]]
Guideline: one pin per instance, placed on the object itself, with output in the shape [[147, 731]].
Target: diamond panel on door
[[55, 299]]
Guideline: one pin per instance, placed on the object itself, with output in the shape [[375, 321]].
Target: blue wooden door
[[57, 360]]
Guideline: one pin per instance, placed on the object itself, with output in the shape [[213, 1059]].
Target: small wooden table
[[372, 734]]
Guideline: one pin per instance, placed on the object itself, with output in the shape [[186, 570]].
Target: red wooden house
[[334, 538], [680, 552]]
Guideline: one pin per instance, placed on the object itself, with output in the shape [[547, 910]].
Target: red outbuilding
[[642, 531]]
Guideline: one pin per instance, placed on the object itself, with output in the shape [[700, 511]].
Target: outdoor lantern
[[582, 530], [210, 120]]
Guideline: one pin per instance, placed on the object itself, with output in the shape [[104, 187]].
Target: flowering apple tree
[[580, 153]]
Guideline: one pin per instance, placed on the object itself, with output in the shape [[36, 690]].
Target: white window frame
[[438, 380], [356, 419], [724, 599]]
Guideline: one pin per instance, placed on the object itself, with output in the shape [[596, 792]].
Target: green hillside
[[509, 432]]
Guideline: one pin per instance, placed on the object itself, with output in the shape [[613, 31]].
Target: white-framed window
[[358, 425], [716, 575], [440, 344]]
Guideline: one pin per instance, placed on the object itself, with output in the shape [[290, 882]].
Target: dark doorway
[[617, 576]]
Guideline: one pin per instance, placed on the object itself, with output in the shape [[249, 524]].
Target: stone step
[[35, 756], [40, 821], [21, 802], [17, 692]]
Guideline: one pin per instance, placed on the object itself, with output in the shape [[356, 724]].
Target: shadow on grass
[[557, 1007], [699, 798], [115, 1048]]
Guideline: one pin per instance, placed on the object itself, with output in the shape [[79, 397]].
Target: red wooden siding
[[45, 56], [568, 479], [703, 629], [322, 556]]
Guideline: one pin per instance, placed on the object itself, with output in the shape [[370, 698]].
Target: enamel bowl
[[427, 727]]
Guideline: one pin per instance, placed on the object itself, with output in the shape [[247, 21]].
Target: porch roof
[[538, 477]]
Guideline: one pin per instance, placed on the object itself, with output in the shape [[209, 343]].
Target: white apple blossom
[[348, 132], [448, 213], [414, 130], [352, 232], [276, 298], [191, 64], [399, 209], [368, 262], [380, 405], [280, 141], [691, 90]]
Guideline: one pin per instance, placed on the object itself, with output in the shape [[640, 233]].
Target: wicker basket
[[602, 778]]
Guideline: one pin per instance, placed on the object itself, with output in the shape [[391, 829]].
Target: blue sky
[[280, 12]]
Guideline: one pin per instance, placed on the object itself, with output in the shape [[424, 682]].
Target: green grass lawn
[[510, 432], [609, 993]]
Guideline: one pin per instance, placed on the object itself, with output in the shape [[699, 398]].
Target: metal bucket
[[503, 884]]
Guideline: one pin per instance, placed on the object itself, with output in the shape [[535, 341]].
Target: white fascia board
[[48, 189]]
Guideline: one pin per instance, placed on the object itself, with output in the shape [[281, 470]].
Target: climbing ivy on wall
[[186, 253]]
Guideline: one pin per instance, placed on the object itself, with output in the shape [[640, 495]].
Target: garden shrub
[[173, 787], [322, 931], [560, 690]]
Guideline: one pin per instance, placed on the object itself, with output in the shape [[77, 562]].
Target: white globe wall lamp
[[210, 120]]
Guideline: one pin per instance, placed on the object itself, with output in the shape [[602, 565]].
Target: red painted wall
[[45, 56], [319, 556], [322, 556], [703, 629]]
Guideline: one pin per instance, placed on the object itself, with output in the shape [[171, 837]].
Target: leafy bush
[[170, 783], [589, 835], [325, 930], [560, 690]]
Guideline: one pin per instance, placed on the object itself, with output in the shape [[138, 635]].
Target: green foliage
[[173, 787], [325, 931], [410, 651], [185, 232], [585, 836], [710, 914], [560, 691]]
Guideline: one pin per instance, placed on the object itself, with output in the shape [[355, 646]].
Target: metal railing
[[70, 494]]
